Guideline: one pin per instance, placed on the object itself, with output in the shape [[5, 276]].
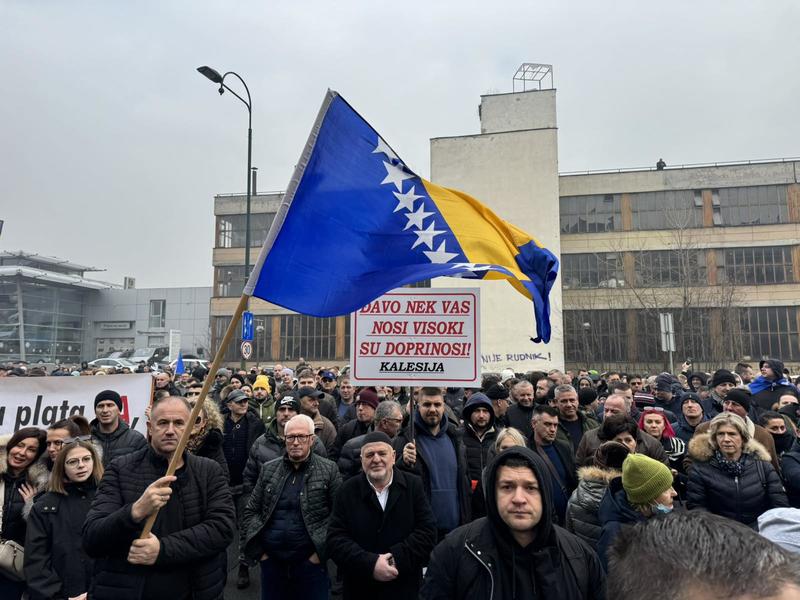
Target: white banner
[[41, 401], [418, 336]]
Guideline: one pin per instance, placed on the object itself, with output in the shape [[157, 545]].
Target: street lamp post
[[220, 79]]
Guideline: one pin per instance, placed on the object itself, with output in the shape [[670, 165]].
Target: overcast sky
[[113, 146]]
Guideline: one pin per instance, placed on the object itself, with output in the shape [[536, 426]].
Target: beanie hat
[[644, 479], [108, 395], [740, 396], [368, 397], [497, 392], [664, 382], [722, 376], [376, 436], [262, 383], [691, 396], [611, 455], [781, 526], [586, 396]]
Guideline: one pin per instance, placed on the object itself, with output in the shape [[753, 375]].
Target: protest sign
[[41, 401], [415, 336]]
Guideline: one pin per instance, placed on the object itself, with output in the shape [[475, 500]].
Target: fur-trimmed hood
[[37, 474], [598, 475], [701, 450]]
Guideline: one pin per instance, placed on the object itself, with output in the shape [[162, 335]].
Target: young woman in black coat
[[55, 564]]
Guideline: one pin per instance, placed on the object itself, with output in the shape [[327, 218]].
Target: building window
[[755, 266], [311, 338], [231, 230], [158, 309], [754, 205], [589, 334], [674, 209], [692, 333], [771, 331], [670, 268], [592, 271], [229, 280], [590, 214]]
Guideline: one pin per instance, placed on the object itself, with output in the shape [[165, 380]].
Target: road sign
[[247, 350], [667, 332], [247, 326]]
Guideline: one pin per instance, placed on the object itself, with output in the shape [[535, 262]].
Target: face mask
[[661, 509]]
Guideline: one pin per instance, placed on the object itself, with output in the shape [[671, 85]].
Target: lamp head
[[221, 90], [210, 74]]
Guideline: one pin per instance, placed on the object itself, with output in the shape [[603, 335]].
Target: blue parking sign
[[247, 326]]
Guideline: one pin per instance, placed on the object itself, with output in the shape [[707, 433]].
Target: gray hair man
[[388, 419]]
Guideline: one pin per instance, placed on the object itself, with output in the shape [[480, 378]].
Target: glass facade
[[229, 281], [673, 209], [670, 268], [592, 271], [754, 205], [231, 230], [52, 319], [755, 266], [590, 214]]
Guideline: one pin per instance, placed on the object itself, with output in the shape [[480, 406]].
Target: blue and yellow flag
[[356, 222]]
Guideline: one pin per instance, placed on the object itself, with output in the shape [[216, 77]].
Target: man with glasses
[[285, 522], [184, 556], [110, 432]]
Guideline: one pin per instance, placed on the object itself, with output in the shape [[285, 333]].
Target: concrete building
[[51, 312], [716, 246]]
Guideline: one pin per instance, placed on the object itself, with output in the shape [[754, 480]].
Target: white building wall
[[512, 167]]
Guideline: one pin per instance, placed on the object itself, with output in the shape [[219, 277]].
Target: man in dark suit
[[382, 529]]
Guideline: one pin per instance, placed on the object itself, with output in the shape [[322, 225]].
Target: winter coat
[[346, 432], [766, 398], [481, 560], [268, 447], [477, 449], [422, 469], [15, 509], [321, 481], [56, 567], [194, 528], [757, 433], [582, 510], [682, 428], [360, 530], [614, 512], [790, 464], [122, 442], [742, 498], [587, 424], [645, 444], [519, 417]]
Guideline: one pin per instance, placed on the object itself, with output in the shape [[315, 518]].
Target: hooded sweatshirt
[[440, 456], [767, 391]]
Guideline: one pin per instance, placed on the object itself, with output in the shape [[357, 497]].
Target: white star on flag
[[383, 148], [415, 218], [471, 266], [406, 200], [396, 175], [441, 255], [425, 236]]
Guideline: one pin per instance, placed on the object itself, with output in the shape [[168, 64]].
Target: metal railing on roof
[[243, 195], [759, 161]]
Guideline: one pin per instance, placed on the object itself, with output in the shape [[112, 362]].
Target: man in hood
[[479, 435], [692, 414], [768, 387], [668, 394], [516, 551]]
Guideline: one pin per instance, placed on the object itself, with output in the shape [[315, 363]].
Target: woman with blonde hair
[[206, 437], [731, 474], [507, 438], [55, 564]]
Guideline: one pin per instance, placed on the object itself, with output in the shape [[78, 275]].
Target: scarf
[[761, 383], [732, 467]]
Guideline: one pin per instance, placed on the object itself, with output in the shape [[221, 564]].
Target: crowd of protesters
[[543, 485]]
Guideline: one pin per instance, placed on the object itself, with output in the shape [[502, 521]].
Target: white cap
[[506, 375]]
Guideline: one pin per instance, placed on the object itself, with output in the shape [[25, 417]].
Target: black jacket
[[211, 447], [421, 469], [481, 560], [15, 510], [346, 432], [614, 512], [121, 442], [790, 464], [519, 417], [266, 448], [254, 427], [584, 504], [194, 528], [742, 498], [56, 567], [321, 481], [349, 461], [359, 530]]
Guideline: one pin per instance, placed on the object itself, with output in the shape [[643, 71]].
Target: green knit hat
[[644, 479]]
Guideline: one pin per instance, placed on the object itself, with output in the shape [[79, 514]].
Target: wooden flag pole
[[212, 370]]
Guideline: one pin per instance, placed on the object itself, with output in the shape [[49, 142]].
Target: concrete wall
[[512, 167], [187, 310]]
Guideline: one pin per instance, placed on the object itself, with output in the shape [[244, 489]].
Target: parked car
[[113, 363], [149, 356]]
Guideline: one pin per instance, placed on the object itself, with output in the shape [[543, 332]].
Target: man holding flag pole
[[399, 228]]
